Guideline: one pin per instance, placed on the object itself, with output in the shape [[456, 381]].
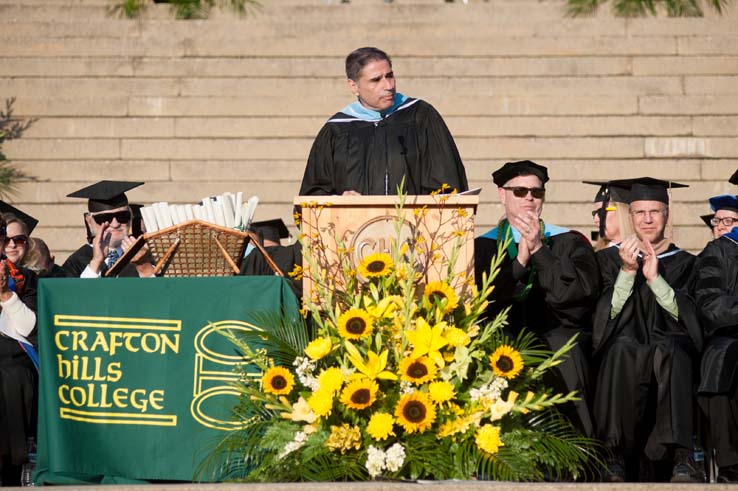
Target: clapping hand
[[530, 236], [629, 254], [650, 262]]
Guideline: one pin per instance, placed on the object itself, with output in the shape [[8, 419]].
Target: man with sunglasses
[[648, 338], [549, 278], [108, 223]]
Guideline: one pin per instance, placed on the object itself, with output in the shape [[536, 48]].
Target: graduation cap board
[[734, 178], [708, 219], [105, 195], [648, 188], [28, 220], [610, 191]]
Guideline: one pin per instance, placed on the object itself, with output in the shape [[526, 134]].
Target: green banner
[[134, 378]]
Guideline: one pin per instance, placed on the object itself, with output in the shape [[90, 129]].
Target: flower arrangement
[[397, 376]]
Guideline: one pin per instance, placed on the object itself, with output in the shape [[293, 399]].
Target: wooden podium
[[356, 226]]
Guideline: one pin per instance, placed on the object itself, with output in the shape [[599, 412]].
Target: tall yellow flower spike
[[374, 367], [427, 340]]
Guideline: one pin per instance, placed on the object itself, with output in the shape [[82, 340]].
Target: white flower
[[304, 370], [297, 442], [395, 457], [406, 388], [490, 392], [375, 460]]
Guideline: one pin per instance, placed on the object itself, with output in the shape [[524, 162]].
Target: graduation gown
[[18, 386], [78, 261], [645, 380], [285, 257], [372, 156], [558, 305], [716, 293]]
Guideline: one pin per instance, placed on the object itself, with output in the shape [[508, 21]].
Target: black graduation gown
[[285, 257], [413, 141], [716, 294], [644, 392], [18, 387], [558, 305], [79, 259]]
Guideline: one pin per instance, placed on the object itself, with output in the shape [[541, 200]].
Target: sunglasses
[[522, 192], [123, 216], [19, 240]]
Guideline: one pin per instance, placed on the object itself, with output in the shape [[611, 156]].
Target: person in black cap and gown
[[647, 335], [716, 294], [270, 233], [382, 140], [18, 366], [108, 223], [549, 278]]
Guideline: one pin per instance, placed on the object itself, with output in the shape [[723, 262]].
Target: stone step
[[294, 67], [75, 170], [301, 127]]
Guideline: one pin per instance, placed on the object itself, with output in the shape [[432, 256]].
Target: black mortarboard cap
[[610, 190], [648, 188], [512, 170], [707, 219], [734, 178], [271, 229], [28, 220], [105, 195], [724, 202]]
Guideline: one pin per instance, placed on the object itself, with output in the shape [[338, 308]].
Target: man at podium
[[372, 144]]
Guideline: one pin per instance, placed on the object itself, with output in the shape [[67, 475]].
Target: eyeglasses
[[522, 192], [123, 216], [727, 221], [641, 214], [19, 240], [607, 208]]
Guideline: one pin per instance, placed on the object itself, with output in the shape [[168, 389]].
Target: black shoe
[[685, 469], [728, 474], [614, 471]]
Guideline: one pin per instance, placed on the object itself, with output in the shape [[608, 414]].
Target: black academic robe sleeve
[[716, 291], [318, 179], [438, 153], [568, 274]]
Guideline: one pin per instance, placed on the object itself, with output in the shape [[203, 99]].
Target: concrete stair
[[232, 103]]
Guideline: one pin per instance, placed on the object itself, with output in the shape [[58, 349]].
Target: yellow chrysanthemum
[[506, 362], [321, 402], [488, 439], [278, 381], [441, 391], [344, 438], [380, 426], [438, 290], [417, 371], [354, 324], [456, 337], [375, 265], [318, 348], [415, 412], [330, 380], [360, 394]]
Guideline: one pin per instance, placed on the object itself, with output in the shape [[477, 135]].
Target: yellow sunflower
[[360, 394], [506, 362], [415, 412], [354, 324], [441, 391], [488, 439], [440, 291], [380, 426], [418, 370], [278, 381], [375, 265]]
